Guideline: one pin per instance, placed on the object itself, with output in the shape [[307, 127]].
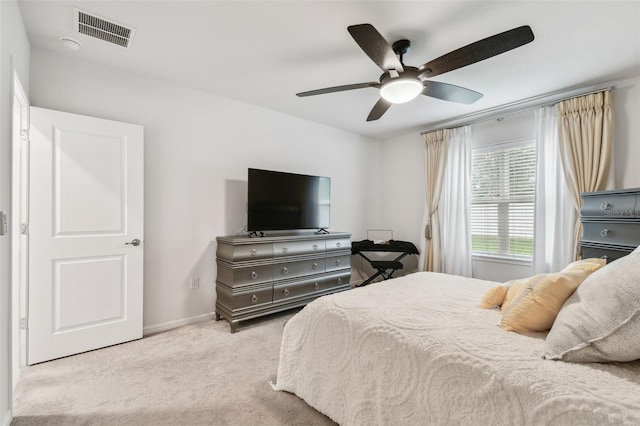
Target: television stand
[[262, 276], [322, 231], [256, 234]]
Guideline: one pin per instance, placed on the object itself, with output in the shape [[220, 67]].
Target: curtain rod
[[516, 107]]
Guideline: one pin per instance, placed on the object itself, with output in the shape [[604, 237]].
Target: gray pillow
[[600, 322]]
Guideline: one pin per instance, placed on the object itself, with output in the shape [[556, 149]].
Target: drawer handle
[[604, 206], [604, 256], [285, 270], [604, 233], [339, 280], [285, 250], [254, 275], [315, 247], [254, 298], [337, 262], [314, 266], [286, 292], [339, 245], [317, 286], [254, 252]]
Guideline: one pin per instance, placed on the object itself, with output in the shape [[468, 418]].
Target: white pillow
[[600, 322]]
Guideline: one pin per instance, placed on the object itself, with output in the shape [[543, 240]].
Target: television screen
[[282, 201]]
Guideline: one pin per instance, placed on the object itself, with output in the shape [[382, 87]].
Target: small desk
[[385, 268]]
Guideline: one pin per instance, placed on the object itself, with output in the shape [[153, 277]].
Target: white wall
[[400, 198], [509, 128], [14, 57], [626, 148], [198, 147], [403, 190], [403, 165]]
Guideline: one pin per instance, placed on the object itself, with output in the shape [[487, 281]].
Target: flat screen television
[[287, 201]]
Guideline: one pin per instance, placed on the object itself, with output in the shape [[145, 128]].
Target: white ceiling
[[263, 52]]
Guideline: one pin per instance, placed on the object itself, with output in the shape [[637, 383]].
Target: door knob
[[135, 242]]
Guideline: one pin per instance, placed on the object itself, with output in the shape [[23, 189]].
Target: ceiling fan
[[401, 83]]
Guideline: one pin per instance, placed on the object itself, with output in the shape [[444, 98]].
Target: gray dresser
[[260, 276], [611, 222]]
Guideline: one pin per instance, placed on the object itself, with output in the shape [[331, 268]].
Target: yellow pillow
[[502, 295], [588, 265], [494, 297], [532, 304]]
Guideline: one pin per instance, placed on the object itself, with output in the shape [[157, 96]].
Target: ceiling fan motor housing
[[408, 73], [401, 47]]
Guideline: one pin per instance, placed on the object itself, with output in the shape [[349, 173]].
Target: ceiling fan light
[[401, 90]]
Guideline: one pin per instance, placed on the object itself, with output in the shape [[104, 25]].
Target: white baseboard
[[8, 418], [158, 328]]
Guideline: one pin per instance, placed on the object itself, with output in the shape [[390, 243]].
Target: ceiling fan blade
[[375, 46], [338, 89], [379, 109], [478, 51], [449, 92]]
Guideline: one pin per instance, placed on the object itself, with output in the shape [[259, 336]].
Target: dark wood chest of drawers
[[611, 223], [260, 276]]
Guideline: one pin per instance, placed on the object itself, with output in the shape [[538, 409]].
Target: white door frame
[[19, 215]]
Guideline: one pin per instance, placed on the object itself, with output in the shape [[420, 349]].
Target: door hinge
[[24, 228], [24, 324], [4, 226], [24, 135]]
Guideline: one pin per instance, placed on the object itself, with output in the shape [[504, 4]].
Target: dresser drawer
[[338, 244], [611, 206], [237, 299], [237, 276], [298, 268], [297, 248], [338, 279], [334, 263], [604, 253], [244, 252], [610, 253], [612, 232], [291, 290]]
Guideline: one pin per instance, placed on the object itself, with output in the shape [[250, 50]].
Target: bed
[[417, 350]]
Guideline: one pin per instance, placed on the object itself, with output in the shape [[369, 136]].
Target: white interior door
[[86, 210]]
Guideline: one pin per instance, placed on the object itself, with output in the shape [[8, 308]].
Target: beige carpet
[[194, 375]]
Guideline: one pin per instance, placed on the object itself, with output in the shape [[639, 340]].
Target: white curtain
[[455, 204], [555, 214]]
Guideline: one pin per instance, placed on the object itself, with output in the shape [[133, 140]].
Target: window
[[502, 199]]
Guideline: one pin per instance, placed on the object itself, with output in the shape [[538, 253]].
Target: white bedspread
[[417, 350]]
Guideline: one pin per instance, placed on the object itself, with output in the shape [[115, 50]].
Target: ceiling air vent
[[103, 29]]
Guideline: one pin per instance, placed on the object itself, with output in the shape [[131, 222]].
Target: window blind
[[502, 199]]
